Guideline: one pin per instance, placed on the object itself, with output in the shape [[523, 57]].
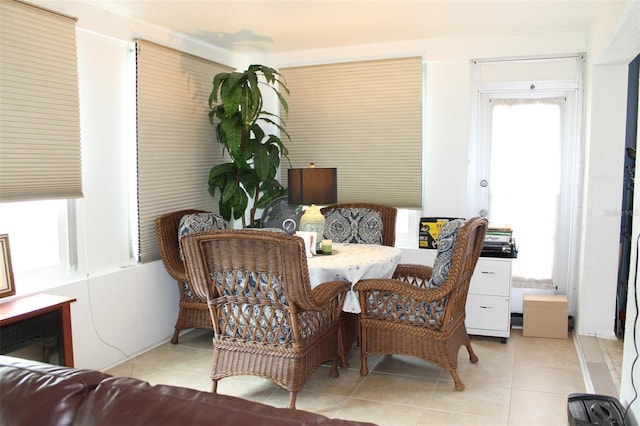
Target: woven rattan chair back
[[267, 319], [193, 312], [403, 315]]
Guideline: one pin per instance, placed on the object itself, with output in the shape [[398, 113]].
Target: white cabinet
[[488, 304]]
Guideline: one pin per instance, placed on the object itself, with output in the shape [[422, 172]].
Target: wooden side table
[[22, 318]]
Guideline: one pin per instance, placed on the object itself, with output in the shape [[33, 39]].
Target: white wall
[[598, 267], [120, 314]]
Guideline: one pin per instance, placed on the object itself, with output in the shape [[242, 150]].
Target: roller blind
[[365, 119], [39, 108], [176, 143]]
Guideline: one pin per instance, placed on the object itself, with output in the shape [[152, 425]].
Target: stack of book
[[499, 242]]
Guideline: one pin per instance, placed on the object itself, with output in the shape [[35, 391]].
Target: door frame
[[573, 165]]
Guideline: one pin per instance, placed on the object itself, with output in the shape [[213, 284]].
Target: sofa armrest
[[34, 393], [127, 401]]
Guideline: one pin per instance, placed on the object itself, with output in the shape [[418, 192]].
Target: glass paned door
[[526, 179]]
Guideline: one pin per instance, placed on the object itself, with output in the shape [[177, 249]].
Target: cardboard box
[[545, 316]]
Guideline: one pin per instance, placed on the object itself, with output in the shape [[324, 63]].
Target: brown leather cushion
[[126, 401], [34, 393]]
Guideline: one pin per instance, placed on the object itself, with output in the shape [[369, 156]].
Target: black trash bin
[[588, 409]]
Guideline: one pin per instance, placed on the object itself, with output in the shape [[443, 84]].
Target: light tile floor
[[612, 350], [525, 381]]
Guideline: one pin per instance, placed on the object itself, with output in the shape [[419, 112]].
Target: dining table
[[352, 263]]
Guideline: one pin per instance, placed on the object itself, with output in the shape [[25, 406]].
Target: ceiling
[[268, 26]]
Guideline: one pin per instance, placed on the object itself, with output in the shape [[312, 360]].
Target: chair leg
[[456, 379], [333, 372], [364, 368], [343, 361], [176, 334], [472, 355], [292, 400], [348, 334], [342, 346], [214, 386]]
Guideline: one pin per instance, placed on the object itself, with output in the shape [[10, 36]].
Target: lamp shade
[[313, 186]]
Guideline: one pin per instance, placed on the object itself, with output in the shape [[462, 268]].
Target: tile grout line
[[513, 375]]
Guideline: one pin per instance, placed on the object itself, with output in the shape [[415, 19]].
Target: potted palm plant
[[236, 109]]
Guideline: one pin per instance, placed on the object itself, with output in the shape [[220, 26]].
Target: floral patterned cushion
[[257, 322], [403, 309], [353, 225], [197, 222], [446, 247], [265, 322]]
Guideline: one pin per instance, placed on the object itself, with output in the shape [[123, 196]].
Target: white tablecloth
[[353, 262]]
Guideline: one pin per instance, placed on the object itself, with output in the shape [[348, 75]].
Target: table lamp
[[313, 186]]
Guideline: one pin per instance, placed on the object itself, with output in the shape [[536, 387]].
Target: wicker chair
[[402, 315], [268, 321], [194, 312], [388, 215]]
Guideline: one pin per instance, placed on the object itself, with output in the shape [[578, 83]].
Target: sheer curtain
[[525, 181]]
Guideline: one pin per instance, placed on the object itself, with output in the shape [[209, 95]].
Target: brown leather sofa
[[34, 393]]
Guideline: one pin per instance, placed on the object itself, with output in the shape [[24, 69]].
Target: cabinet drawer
[[488, 312], [491, 277]]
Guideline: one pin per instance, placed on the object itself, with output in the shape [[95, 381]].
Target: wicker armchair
[[404, 315], [194, 312], [388, 215], [268, 321]]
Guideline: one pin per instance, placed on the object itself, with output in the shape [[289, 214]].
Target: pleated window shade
[[39, 108], [365, 119], [177, 145]]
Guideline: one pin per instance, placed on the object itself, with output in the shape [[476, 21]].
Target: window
[[39, 112], [176, 142], [365, 119], [525, 171], [40, 161], [407, 221], [39, 239]]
